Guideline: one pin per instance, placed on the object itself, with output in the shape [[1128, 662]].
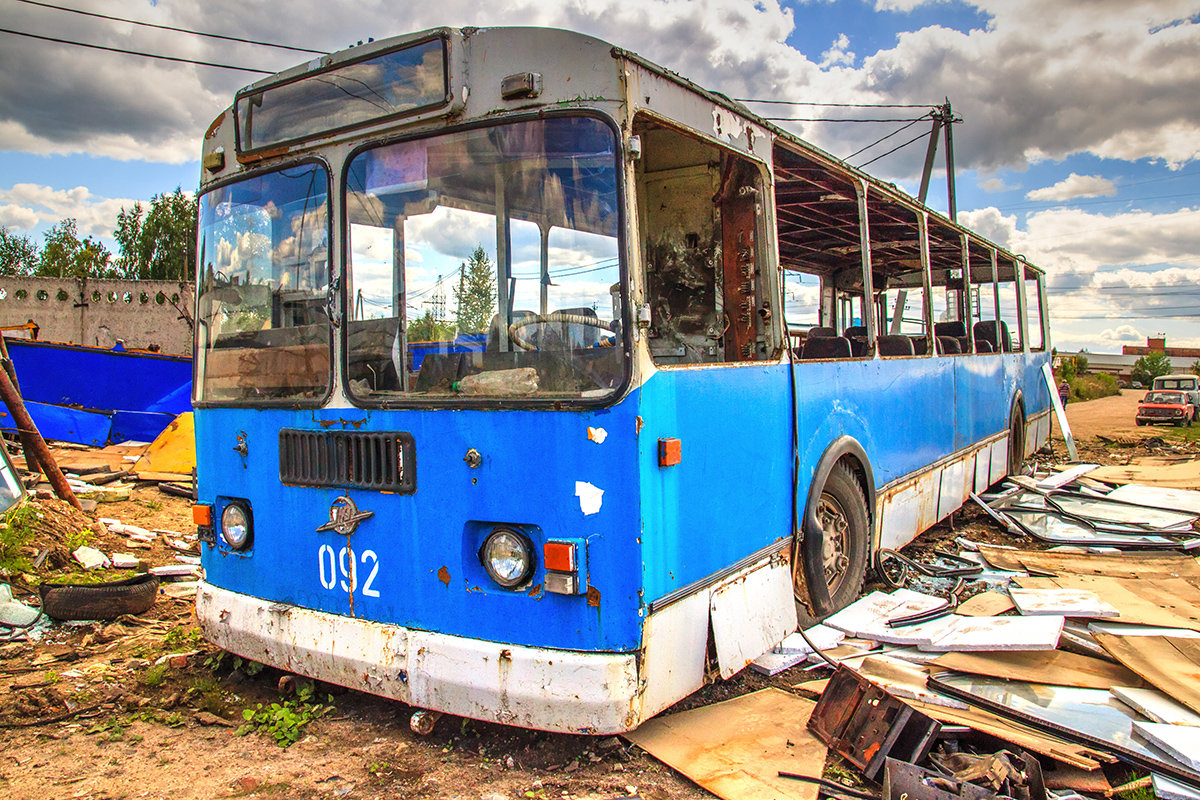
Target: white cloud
[[1122, 334], [1072, 187], [838, 54], [993, 185], [32, 204]]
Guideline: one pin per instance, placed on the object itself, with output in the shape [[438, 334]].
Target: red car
[[1166, 407]]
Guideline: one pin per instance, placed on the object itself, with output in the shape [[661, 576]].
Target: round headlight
[[508, 557], [235, 525]]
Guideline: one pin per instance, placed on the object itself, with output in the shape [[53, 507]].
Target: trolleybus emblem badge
[[344, 516]]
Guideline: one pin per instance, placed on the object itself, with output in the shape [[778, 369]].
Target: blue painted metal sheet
[[419, 552], [95, 396]]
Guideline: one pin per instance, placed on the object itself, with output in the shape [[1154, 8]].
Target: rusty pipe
[[26, 428]]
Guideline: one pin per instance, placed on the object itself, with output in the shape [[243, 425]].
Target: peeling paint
[[590, 497], [597, 435], [593, 597]]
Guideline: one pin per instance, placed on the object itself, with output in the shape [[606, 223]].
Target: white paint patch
[[590, 497], [597, 435]]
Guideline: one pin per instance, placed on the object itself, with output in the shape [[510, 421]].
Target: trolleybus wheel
[[842, 513], [1016, 442]]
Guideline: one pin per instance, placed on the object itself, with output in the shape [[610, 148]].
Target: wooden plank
[[1170, 602], [1055, 667], [985, 604], [736, 749], [1122, 565], [1166, 662]]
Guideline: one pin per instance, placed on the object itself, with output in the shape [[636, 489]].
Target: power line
[[894, 149], [885, 138], [840, 119], [834, 105], [134, 52], [171, 28]]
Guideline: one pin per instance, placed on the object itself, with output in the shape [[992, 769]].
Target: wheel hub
[[836, 527]]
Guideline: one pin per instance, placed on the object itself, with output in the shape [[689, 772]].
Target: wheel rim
[[836, 542]]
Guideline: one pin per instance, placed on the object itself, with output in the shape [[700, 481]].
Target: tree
[[476, 293], [65, 256], [18, 254], [1149, 367], [428, 329], [1196, 367], [158, 243]]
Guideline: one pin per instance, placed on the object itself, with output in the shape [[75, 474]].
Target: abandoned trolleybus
[[536, 384]]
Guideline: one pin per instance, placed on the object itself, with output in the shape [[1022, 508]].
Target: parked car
[[1161, 406]]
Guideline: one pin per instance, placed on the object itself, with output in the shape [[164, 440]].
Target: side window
[[700, 211], [1034, 329], [802, 306], [1011, 330], [984, 312]]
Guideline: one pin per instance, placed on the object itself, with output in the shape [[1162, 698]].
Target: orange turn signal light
[[202, 515], [559, 556], [670, 452]]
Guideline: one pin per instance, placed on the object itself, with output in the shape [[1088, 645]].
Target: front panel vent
[[385, 461]]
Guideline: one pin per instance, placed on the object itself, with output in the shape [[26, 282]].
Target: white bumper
[[554, 690]]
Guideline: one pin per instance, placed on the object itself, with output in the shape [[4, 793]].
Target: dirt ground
[[90, 712]]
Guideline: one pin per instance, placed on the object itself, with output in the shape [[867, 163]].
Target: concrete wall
[[143, 314]]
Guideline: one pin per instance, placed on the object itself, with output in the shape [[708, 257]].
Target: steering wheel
[[558, 316]]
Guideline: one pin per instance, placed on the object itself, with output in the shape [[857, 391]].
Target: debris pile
[[1065, 665]]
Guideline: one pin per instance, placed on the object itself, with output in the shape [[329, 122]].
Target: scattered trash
[[90, 558]]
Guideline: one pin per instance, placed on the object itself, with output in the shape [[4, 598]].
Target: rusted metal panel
[[752, 613]]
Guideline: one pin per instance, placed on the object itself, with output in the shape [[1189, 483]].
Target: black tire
[[1016, 442], [1140, 422], [99, 600], [842, 512]]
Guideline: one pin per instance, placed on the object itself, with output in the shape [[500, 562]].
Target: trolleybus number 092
[[331, 564]]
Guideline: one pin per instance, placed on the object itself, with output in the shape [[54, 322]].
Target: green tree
[[1081, 364], [158, 243], [476, 293], [65, 256], [428, 329], [1196, 367], [1149, 367], [18, 254]]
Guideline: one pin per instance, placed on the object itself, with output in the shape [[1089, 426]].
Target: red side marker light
[[559, 556], [670, 452]]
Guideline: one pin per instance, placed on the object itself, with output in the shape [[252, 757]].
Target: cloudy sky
[[1079, 145]]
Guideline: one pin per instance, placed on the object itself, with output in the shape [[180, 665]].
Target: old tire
[[842, 513], [99, 600]]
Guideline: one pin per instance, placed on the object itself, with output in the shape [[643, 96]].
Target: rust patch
[[216, 126], [593, 596], [535, 591], [444, 575], [638, 424], [350, 423]]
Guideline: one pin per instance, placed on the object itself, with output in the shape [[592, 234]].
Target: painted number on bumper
[[338, 569]]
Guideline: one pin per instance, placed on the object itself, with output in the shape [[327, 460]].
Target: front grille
[[386, 461]]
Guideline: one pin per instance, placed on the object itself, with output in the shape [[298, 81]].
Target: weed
[[79, 538], [155, 675], [16, 533], [212, 699], [378, 768], [252, 668], [179, 639], [113, 729], [284, 722]]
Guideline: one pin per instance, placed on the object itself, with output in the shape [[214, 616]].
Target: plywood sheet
[[1158, 497], [1170, 602], [1168, 663], [1065, 602], [985, 604], [1121, 565], [998, 633], [736, 749], [1176, 476], [1013, 731], [1054, 666]]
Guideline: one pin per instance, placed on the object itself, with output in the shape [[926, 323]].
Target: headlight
[[508, 557], [235, 525]]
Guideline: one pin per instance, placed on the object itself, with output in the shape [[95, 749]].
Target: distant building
[[1121, 366]]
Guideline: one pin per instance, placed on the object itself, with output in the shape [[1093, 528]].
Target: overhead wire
[[841, 119], [894, 149], [885, 138], [135, 52], [834, 105], [172, 28]]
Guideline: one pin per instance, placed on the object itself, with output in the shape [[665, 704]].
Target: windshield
[[485, 263], [1165, 397], [262, 328]]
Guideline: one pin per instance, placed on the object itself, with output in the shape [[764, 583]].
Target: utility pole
[[943, 118]]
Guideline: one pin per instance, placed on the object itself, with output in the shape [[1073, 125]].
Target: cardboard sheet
[[736, 749], [985, 604], [1119, 565], [1169, 602], [1168, 663], [1053, 666]]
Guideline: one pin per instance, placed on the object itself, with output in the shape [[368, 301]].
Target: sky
[[1079, 145]]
